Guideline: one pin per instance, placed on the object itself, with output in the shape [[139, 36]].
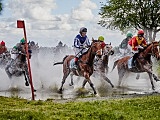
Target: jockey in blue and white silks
[[81, 42]]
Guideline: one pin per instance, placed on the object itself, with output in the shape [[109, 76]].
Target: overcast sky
[[50, 21]]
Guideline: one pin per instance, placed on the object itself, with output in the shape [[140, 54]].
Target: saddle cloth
[[130, 63], [72, 64]]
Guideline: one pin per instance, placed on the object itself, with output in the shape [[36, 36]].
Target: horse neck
[[105, 59], [89, 57], [147, 51]]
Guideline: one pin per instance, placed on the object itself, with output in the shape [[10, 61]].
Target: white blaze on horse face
[[99, 52], [107, 49]]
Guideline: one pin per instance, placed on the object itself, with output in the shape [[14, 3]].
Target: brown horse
[[85, 64], [143, 63]]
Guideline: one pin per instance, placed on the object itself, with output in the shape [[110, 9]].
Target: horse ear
[[93, 39], [110, 43]]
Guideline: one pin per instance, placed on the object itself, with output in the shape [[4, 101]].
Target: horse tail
[[57, 63], [115, 64]]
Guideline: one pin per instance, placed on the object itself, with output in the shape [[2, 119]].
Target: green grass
[[143, 108]]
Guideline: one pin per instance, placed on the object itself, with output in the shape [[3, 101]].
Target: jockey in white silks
[[81, 43]]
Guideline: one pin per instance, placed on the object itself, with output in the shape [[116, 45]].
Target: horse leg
[[71, 80], [151, 80], [92, 86], [106, 79], [138, 75], [87, 79], [7, 71], [65, 75], [155, 77], [84, 83], [121, 75], [26, 83]]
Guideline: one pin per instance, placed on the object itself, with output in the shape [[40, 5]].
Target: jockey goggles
[[140, 35]]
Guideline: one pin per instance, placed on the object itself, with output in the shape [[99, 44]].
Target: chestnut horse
[[143, 63], [85, 64]]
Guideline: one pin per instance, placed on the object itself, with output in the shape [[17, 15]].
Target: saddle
[[73, 65]]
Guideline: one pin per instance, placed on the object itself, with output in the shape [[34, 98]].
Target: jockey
[[123, 47], [137, 43], [81, 42], [18, 49], [3, 49]]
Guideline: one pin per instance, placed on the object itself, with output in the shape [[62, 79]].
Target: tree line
[[124, 15]]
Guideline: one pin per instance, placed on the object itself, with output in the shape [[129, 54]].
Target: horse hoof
[[27, 84], [70, 84], [157, 79], [60, 91]]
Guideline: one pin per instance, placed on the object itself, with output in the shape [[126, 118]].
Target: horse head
[[108, 50], [152, 49], [97, 47]]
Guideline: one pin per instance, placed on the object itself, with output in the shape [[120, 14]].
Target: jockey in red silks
[[137, 43], [3, 49], [81, 42]]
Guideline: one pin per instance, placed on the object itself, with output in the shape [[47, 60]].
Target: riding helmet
[[140, 32], [101, 38], [3, 43], [129, 35], [83, 29], [22, 40]]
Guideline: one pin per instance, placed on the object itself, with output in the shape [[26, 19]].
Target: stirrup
[[75, 67]]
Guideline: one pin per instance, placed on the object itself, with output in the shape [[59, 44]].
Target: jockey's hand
[[140, 49], [83, 47]]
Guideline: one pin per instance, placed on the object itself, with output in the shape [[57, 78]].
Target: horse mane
[[93, 41], [147, 46]]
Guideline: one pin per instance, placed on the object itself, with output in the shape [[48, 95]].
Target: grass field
[[142, 108]]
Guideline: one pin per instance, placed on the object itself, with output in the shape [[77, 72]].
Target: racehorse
[[85, 64], [143, 63], [18, 67], [101, 65]]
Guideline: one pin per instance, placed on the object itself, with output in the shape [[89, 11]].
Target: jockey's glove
[[140, 49], [82, 47]]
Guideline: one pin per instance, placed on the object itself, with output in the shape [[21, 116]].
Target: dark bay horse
[[143, 63], [19, 66], [85, 68]]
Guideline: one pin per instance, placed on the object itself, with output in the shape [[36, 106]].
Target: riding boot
[[134, 58], [76, 62]]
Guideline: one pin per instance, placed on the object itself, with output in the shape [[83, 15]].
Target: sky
[[50, 21]]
